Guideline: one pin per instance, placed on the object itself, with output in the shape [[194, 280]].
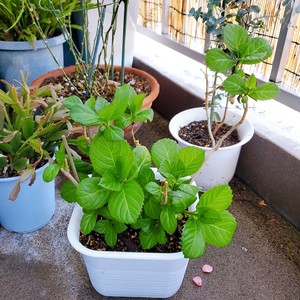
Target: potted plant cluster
[[31, 126], [125, 191], [94, 72], [24, 45], [232, 87]]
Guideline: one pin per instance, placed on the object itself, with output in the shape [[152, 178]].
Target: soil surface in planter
[[196, 133], [75, 85], [128, 241]]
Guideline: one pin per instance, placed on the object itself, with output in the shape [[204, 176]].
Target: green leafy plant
[[31, 126], [17, 23], [241, 49], [233, 25], [118, 188], [87, 53]]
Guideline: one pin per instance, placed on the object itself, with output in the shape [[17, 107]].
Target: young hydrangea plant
[[118, 188]]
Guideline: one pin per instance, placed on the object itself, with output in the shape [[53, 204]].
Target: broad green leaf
[[83, 144], [81, 113], [208, 215], [68, 191], [88, 221], [152, 208], [234, 84], [110, 229], [100, 103], [258, 49], [113, 133], [113, 111], [90, 103], [164, 149], [141, 158], [153, 236], [181, 200], [192, 158], [235, 38], [154, 189], [82, 166], [144, 115], [193, 244], [72, 101], [218, 61], [110, 181], [265, 91], [125, 92], [90, 194], [104, 155], [250, 82], [168, 219], [136, 103], [126, 205], [51, 172], [218, 198], [220, 234]]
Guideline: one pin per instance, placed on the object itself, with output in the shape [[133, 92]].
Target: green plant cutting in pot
[[16, 22], [31, 126], [118, 189], [241, 50]]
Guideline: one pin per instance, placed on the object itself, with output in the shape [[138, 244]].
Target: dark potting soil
[[128, 241], [196, 133], [100, 88]]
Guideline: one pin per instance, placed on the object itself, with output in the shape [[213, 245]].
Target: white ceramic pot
[[221, 165], [129, 274], [33, 208]]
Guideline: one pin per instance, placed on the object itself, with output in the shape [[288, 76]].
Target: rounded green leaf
[[126, 205], [168, 219], [193, 244], [218, 61], [236, 38], [266, 91], [164, 150], [51, 172], [220, 234], [90, 194], [234, 84], [218, 198]]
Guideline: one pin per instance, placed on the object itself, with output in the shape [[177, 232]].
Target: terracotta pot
[[146, 103]]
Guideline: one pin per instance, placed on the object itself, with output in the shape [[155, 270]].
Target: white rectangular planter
[[129, 274]]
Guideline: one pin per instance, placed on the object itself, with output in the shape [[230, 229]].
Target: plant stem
[[71, 160]]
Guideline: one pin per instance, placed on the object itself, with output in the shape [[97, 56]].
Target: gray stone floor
[[263, 261]]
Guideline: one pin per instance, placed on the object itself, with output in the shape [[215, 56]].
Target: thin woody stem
[[220, 142], [70, 159]]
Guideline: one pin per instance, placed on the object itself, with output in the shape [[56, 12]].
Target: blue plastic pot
[[33, 61], [33, 208]]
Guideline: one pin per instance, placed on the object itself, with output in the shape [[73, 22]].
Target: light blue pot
[[33, 208], [16, 56]]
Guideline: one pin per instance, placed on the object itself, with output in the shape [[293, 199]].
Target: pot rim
[[173, 128], [73, 237]]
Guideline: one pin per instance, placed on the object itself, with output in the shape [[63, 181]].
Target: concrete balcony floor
[[263, 261]]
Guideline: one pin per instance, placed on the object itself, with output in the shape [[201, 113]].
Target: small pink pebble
[[197, 280], [207, 268]]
